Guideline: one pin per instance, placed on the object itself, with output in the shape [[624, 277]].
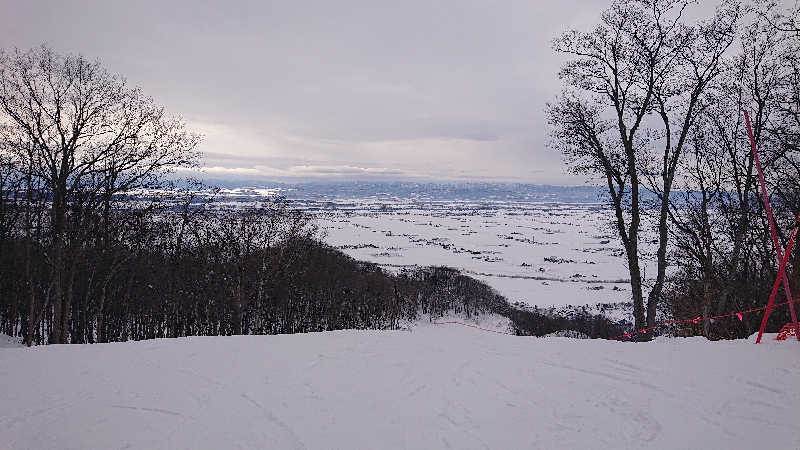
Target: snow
[[493, 322], [434, 387], [7, 341], [539, 254], [567, 333]]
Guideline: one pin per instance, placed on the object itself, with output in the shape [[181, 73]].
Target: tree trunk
[[637, 294], [707, 300]]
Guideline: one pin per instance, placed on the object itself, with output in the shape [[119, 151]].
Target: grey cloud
[[418, 88], [344, 170]]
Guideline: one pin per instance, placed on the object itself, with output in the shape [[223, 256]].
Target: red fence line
[[630, 335], [699, 319]]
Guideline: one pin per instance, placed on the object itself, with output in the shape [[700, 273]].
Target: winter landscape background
[[399, 225]]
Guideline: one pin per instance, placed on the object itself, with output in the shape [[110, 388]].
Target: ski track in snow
[[434, 387]]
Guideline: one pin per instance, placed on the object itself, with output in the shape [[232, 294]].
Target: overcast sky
[[335, 89]]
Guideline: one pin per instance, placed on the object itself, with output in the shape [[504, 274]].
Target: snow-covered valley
[[544, 246]]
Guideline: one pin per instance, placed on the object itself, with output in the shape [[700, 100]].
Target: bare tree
[[84, 132], [693, 212], [11, 183], [759, 79], [634, 88]]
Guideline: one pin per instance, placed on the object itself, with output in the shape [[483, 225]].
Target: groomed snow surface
[[442, 386]]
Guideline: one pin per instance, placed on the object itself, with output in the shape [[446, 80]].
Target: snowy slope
[[493, 322], [435, 387], [7, 341]]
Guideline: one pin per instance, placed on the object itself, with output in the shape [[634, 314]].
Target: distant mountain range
[[510, 192]]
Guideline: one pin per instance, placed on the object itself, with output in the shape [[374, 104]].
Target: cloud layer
[[451, 90]]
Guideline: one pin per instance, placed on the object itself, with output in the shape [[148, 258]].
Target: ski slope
[[433, 387]]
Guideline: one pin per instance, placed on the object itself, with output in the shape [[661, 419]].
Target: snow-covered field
[[536, 254], [440, 386]]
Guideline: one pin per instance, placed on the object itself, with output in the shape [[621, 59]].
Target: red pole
[[781, 275], [772, 229]]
